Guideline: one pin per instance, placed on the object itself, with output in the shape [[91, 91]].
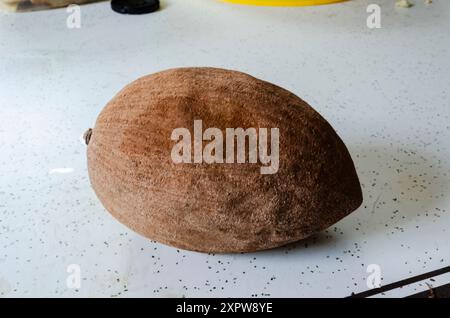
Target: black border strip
[[401, 283]]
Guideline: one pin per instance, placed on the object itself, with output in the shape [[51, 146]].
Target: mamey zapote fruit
[[167, 159]]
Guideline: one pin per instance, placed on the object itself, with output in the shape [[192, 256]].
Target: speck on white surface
[[385, 91]]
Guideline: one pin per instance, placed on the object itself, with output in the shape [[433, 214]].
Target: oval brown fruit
[[218, 207]]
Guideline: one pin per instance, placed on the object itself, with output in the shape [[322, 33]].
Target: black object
[[400, 284], [436, 292], [134, 6]]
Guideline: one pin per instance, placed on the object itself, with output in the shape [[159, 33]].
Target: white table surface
[[385, 91]]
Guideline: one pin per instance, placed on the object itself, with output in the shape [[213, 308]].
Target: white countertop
[[385, 91]]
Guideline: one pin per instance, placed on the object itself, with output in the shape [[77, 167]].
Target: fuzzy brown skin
[[218, 208]]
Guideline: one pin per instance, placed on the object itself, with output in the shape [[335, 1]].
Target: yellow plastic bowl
[[284, 3]]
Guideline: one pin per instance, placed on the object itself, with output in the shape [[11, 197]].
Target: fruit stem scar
[[87, 136]]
